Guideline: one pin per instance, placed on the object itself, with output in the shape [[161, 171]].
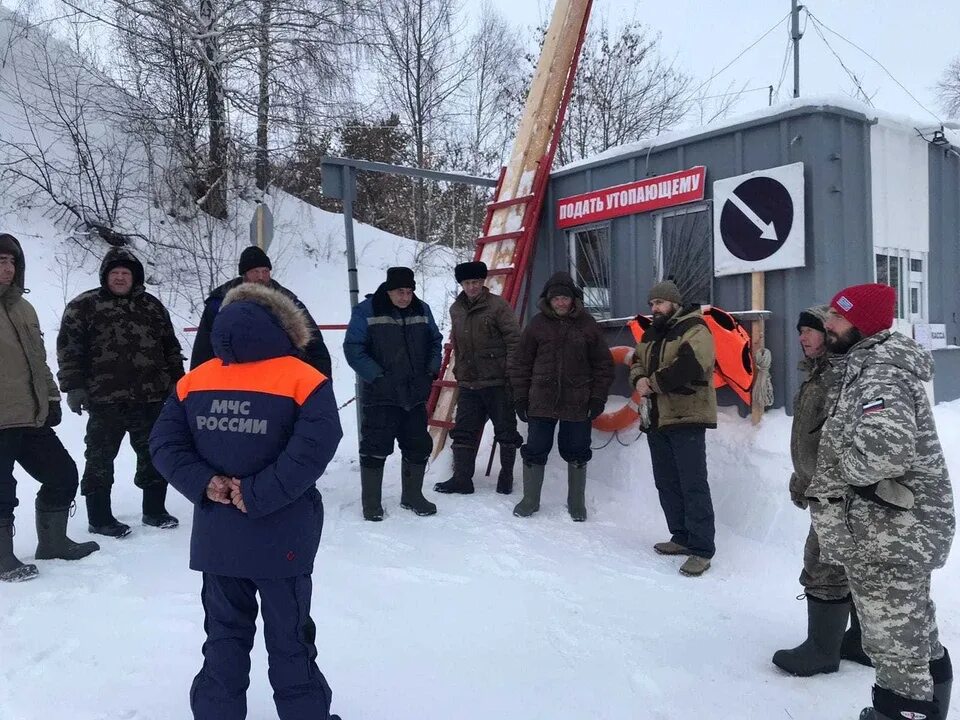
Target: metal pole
[[349, 186], [795, 34]]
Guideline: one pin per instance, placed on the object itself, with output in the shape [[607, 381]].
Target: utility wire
[[848, 71], [783, 67], [742, 53], [880, 64]]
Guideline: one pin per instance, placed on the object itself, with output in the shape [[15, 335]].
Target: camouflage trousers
[[897, 616], [106, 426], [899, 625], [820, 579]]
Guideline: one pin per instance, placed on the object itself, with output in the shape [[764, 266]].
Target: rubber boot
[[52, 540], [411, 493], [576, 490], [532, 485], [11, 569], [942, 673], [155, 508], [852, 646], [371, 489], [508, 457], [888, 705], [464, 463], [820, 652], [100, 516]]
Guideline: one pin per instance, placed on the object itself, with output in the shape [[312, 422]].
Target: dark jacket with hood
[[119, 349], [259, 414], [678, 357], [315, 353], [26, 383], [485, 333], [561, 362], [396, 353]]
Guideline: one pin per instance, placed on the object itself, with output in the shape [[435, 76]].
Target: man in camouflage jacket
[[824, 584], [119, 359], [882, 503], [485, 333]]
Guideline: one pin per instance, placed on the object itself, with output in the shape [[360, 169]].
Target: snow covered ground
[[469, 614]]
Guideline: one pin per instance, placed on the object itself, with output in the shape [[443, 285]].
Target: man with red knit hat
[[881, 501]]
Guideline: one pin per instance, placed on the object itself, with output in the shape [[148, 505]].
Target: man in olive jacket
[[485, 333], [561, 372], [29, 410], [673, 370], [824, 584]]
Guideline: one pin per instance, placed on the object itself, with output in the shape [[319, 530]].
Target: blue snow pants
[[219, 691]]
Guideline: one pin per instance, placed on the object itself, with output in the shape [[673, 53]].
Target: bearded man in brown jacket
[[561, 373], [485, 333], [29, 410]]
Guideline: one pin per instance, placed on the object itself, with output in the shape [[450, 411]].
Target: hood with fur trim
[[255, 323]]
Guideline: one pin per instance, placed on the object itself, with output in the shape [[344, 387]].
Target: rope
[[346, 403], [762, 383]]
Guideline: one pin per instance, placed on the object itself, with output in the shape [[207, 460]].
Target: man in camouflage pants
[[882, 503], [119, 359], [824, 584]]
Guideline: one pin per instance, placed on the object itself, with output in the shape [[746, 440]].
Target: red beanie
[[869, 308]]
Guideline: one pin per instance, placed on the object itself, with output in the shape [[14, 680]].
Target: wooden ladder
[[512, 218]]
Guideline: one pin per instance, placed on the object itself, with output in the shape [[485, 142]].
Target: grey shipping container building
[[880, 203]]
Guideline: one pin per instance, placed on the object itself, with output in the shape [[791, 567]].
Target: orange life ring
[[622, 418]]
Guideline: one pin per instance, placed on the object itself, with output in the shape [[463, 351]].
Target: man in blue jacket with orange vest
[[245, 438]]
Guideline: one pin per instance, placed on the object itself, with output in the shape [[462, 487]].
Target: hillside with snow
[[471, 614]]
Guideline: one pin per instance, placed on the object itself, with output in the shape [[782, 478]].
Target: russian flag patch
[[873, 406], [844, 303]]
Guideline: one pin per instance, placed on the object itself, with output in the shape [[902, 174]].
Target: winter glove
[[799, 500], [521, 407], [78, 401], [596, 408], [54, 414]]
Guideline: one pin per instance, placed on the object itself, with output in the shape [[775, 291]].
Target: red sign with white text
[[637, 197]]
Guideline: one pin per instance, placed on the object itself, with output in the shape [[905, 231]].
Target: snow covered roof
[[819, 103]]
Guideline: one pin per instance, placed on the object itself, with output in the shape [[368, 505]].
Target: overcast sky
[[914, 39]]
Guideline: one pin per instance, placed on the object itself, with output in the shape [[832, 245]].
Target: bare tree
[[949, 89], [625, 90], [421, 65]]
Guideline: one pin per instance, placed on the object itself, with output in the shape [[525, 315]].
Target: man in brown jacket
[[673, 369], [485, 333], [560, 372], [29, 410], [824, 584]]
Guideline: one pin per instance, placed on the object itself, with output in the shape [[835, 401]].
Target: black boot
[[820, 652], [852, 646], [942, 673], [411, 495], [155, 508], [52, 540], [532, 485], [371, 489], [464, 462], [508, 456], [100, 516], [576, 491], [888, 705], [11, 569]]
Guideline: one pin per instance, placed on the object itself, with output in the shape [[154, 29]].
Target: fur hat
[[666, 290], [399, 277], [253, 257], [870, 308], [470, 271], [813, 318], [290, 317]]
